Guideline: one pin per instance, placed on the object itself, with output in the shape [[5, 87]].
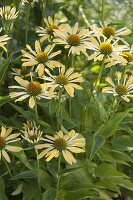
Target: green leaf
[[4, 68], [21, 156], [49, 194], [4, 100], [112, 125], [18, 190], [27, 174], [31, 190], [108, 184], [107, 171], [2, 190], [98, 141], [122, 142], [102, 111], [28, 115], [77, 194], [125, 183]]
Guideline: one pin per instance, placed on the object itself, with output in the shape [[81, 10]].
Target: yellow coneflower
[[128, 55], [106, 48], [48, 32], [62, 144], [32, 133], [73, 39], [6, 138], [123, 88], [28, 1], [32, 90], [66, 79], [109, 31], [8, 13], [3, 41], [39, 57]]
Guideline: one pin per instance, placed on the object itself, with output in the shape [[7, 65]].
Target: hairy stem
[[58, 175], [27, 24], [38, 170]]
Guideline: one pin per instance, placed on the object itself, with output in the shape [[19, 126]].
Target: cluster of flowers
[[53, 146], [98, 44]]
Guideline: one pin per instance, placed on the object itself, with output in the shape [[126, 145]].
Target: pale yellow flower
[[28, 1], [123, 88], [8, 13], [73, 39], [107, 48], [40, 58], [32, 90], [62, 144], [3, 41], [32, 132], [23, 71], [109, 31], [128, 55], [66, 79], [48, 32], [6, 138]]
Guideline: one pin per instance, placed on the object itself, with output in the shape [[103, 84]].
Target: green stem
[[131, 8], [99, 75], [43, 5], [103, 11], [85, 109], [70, 106], [59, 112], [58, 175], [8, 169], [72, 63], [38, 170], [116, 108], [36, 111], [27, 24]]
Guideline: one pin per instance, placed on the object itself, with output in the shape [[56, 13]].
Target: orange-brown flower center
[[51, 28], [34, 88], [121, 90], [73, 40], [60, 144], [2, 143], [106, 48], [108, 31], [61, 79], [128, 56], [42, 57]]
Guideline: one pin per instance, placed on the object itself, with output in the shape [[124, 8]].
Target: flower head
[[31, 132], [123, 88], [73, 39], [108, 49], [66, 79], [8, 13], [48, 32], [109, 31], [40, 58], [3, 41], [22, 72], [6, 138], [28, 2], [32, 90], [63, 144], [128, 55]]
